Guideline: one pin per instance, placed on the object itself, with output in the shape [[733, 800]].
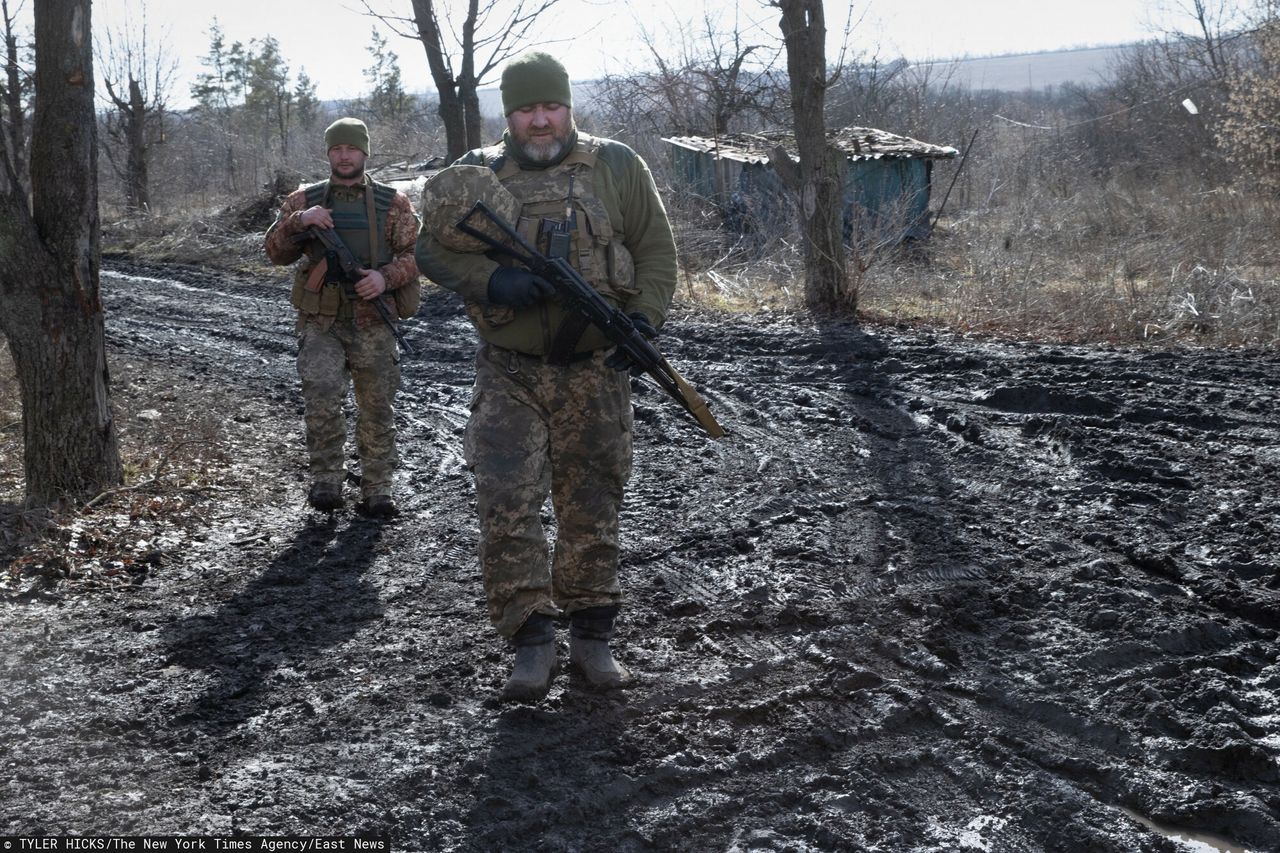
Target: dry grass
[[1107, 265], [201, 241], [179, 462], [10, 425]]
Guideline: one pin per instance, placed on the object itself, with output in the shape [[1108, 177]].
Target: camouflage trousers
[[535, 430], [329, 361]]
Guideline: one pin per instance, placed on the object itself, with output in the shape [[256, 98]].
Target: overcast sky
[[329, 38]]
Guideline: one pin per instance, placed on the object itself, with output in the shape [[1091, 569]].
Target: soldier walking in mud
[[551, 409], [343, 340]]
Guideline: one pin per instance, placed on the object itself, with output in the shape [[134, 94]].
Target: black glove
[[517, 287], [620, 359]]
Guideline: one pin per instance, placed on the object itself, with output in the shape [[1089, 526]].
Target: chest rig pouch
[[563, 217]]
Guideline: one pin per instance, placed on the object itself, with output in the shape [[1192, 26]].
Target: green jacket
[[621, 181]]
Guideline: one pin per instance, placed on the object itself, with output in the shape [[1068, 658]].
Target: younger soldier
[[344, 341]]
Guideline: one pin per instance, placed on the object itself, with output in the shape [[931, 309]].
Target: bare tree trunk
[[471, 117], [52, 310], [130, 125], [819, 183], [451, 108], [282, 123], [232, 184], [468, 84], [508, 27], [455, 126], [137, 72], [138, 189]]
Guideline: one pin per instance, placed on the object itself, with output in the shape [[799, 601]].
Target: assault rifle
[[580, 296], [344, 268]]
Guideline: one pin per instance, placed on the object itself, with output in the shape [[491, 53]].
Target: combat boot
[[377, 506], [589, 633], [536, 660], [325, 497]]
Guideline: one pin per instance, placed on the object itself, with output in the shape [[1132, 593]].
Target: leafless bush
[[1104, 264], [740, 268], [210, 238]]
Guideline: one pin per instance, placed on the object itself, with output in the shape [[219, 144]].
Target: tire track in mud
[[932, 593], [1172, 440]]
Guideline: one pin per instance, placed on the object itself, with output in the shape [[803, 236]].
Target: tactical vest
[[351, 222], [561, 214]]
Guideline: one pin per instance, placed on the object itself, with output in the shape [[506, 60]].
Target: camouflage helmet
[[448, 196]]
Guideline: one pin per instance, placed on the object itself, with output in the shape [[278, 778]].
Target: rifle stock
[[579, 295]]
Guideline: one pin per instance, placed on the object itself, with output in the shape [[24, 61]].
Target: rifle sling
[[371, 215], [373, 222]]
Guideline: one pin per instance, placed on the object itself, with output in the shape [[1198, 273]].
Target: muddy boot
[[536, 660], [325, 497], [589, 648], [377, 506]]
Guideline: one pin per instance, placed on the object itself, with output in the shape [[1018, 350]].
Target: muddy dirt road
[[932, 594]]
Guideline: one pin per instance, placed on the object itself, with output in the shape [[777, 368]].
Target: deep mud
[[932, 594]]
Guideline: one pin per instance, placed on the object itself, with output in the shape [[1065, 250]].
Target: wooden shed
[[887, 180]]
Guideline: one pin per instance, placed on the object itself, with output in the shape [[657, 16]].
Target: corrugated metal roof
[[858, 143]]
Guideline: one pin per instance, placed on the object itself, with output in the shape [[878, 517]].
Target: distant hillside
[[1016, 73], [1013, 73], [491, 97], [490, 101]]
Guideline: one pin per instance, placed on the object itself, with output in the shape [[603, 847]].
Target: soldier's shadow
[[555, 775], [310, 599]]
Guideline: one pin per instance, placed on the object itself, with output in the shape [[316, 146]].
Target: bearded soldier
[[342, 338], [551, 408]]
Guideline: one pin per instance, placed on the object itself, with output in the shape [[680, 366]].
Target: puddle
[[1189, 840]]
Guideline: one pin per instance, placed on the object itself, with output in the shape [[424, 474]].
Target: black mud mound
[[931, 594]]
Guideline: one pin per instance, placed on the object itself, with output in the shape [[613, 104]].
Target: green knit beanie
[[535, 78], [347, 131]]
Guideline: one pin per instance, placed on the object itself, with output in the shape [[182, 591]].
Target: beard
[[346, 173], [546, 150], [543, 152]]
